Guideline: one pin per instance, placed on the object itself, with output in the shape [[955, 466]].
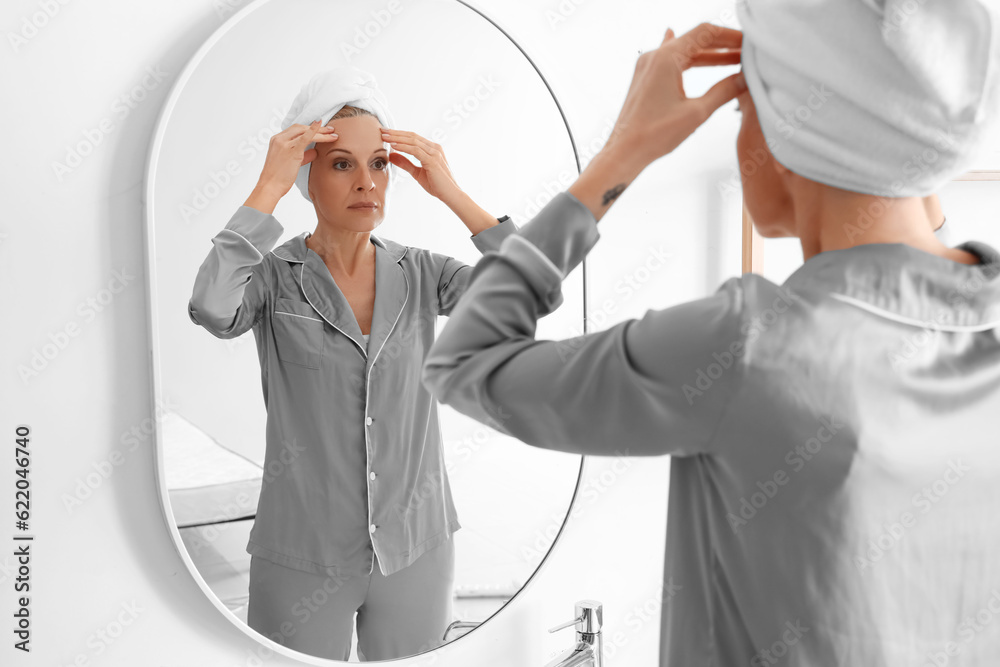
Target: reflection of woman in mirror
[[835, 480], [355, 511]]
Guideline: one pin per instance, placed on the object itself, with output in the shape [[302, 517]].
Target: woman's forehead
[[354, 138]]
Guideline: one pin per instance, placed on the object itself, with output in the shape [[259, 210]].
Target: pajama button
[[368, 420], [372, 475], [371, 528]]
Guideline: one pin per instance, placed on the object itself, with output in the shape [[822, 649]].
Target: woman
[[355, 511], [835, 486]]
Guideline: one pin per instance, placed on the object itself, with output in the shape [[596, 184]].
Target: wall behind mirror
[[468, 88]]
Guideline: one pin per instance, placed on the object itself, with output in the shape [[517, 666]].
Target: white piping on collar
[[923, 324], [287, 259]]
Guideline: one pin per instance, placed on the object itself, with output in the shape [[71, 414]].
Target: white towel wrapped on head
[[324, 95], [883, 97]]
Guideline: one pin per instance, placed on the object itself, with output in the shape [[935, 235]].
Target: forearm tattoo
[[612, 194]]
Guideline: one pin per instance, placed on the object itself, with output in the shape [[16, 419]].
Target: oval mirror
[[455, 78]]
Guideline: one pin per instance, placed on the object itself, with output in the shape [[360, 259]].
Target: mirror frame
[[154, 342]]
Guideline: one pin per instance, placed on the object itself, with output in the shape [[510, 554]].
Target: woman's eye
[[379, 161]]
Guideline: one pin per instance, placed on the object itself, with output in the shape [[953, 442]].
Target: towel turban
[[883, 97], [327, 93]]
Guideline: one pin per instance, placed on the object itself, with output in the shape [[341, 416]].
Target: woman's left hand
[[433, 174]]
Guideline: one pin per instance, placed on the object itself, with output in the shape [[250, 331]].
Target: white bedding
[[207, 482]]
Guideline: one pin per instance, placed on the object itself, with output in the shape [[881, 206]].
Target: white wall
[[105, 566]]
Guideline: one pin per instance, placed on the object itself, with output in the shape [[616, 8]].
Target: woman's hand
[[657, 116], [433, 174], [286, 152]]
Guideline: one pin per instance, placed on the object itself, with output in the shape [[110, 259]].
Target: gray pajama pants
[[400, 615]]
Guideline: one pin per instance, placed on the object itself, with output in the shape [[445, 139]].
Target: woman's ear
[[932, 204]]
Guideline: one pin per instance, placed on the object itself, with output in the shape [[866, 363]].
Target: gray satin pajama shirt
[[835, 488], [353, 463]]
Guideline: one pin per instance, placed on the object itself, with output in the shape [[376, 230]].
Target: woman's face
[[352, 169]]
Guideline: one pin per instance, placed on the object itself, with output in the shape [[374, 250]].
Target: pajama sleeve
[[636, 388], [454, 274], [230, 290]]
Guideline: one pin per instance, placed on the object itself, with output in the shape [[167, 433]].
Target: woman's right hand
[[285, 154]]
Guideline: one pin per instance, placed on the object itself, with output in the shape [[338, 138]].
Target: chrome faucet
[[588, 651]]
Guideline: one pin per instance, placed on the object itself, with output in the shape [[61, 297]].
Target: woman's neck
[[827, 218], [345, 252]]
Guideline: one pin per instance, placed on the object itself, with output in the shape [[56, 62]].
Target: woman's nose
[[365, 180]]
